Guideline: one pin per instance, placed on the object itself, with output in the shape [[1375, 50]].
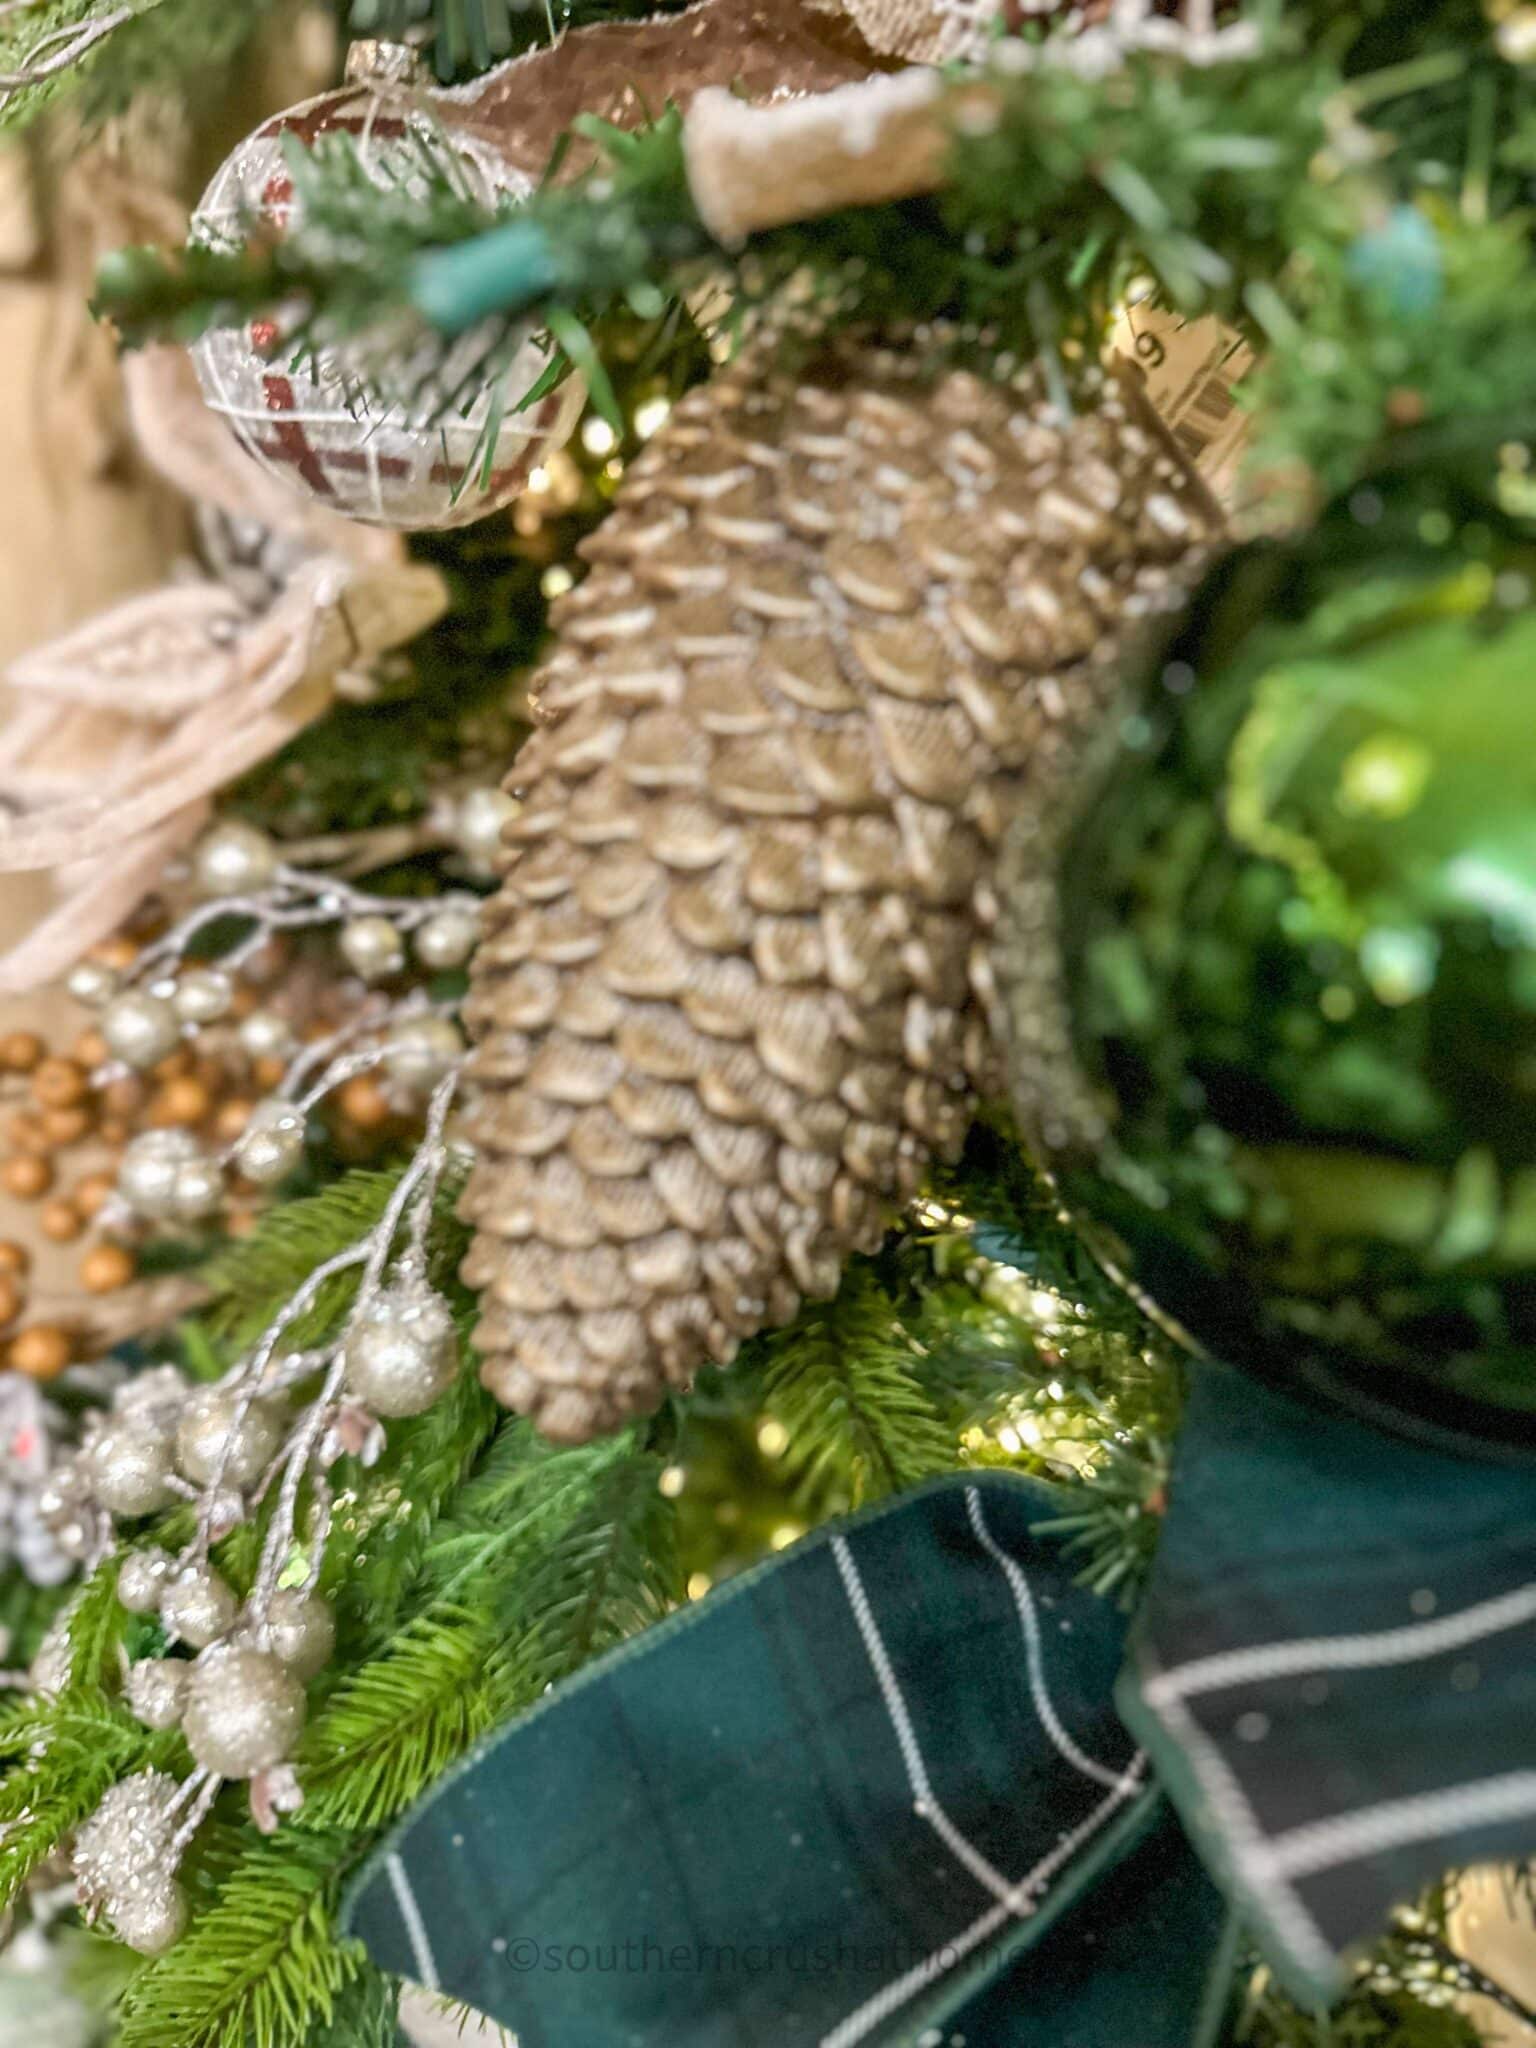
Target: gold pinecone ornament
[[731, 1002]]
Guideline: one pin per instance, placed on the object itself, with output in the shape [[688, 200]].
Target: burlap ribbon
[[125, 726]]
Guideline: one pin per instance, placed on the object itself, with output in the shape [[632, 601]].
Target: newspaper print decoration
[[310, 418]]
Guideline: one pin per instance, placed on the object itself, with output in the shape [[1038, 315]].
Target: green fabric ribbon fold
[[877, 1793]]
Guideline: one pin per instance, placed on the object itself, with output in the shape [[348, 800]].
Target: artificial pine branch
[[398, 1723], [58, 1760], [378, 1548], [363, 2015], [555, 1557], [395, 1723], [262, 1966], [469, 35], [101, 53], [842, 1383], [250, 1280], [97, 1624], [609, 1573]]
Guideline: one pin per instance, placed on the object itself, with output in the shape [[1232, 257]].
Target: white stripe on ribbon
[[415, 1926], [925, 1804], [1013, 1900], [1264, 1661], [1034, 1653], [1347, 1837], [893, 1996]]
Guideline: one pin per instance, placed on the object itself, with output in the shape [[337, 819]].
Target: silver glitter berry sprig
[[230, 1447], [168, 1176]]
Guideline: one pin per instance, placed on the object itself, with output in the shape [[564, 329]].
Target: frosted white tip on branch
[[887, 138], [58, 49]]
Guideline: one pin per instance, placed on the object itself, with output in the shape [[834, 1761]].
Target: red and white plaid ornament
[[312, 420]]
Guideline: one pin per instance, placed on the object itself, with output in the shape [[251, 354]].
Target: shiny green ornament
[[1273, 995]]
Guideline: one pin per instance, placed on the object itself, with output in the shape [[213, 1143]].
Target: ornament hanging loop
[[373, 61]]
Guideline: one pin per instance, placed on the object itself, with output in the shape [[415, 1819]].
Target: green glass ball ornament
[[1271, 974]]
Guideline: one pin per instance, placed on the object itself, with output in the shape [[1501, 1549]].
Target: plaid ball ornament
[[463, 446]]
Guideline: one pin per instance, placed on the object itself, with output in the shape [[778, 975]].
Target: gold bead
[[118, 952], [67, 1126], [268, 1071], [92, 1192], [363, 1102], [60, 1083], [115, 1130], [11, 1299], [41, 1352], [105, 1268], [90, 1049], [15, 1259], [60, 1222], [20, 1051], [124, 1096], [27, 1175], [183, 1100], [25, 1131]]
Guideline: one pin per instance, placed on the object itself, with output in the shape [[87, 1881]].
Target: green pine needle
[[58, 1761], [262, 1966], [843, 1382], [254, 1277]]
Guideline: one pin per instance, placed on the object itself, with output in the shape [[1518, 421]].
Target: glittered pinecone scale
[[732, 998]]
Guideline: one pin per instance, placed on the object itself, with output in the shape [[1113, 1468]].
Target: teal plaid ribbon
[[1335, 1666], [878, 1792]]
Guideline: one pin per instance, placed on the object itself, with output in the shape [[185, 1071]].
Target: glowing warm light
[[772, 1437], [699, 1584], [672, 1481], [650, 415], [785, 1534], [597, 437], [556, 580]]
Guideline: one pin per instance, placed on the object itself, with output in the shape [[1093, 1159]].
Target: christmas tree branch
[[470, 35], [1258, 187], [102, 52]]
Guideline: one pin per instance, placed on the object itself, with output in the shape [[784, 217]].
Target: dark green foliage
[[186, 43], [842, 1381], [469, 35], [26, 1613], [251, 1280], [57, 1759], [363, 2015], [1337, 391], [1243, 189], [263, 1967]]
